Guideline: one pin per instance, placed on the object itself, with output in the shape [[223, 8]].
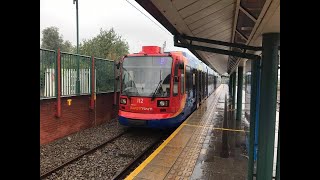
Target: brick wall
[[75, 117]]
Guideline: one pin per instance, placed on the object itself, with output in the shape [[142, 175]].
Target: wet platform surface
[[247, 116], [193, 150]]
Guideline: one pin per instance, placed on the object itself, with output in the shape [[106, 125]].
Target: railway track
[[147, 150], [136, 161], [47, 173]]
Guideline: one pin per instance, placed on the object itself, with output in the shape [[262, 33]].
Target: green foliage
[[66, 47], [51, 39], [105, 75], [106, 45]]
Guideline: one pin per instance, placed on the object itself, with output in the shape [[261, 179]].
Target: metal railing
[[47, 73], [75, 74], [104, 75], [69, 74]]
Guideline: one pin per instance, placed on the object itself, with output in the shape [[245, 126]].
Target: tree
[[51, 39], [67, 47], [106, 45]]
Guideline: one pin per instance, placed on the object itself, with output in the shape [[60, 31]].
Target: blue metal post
[[254, 110], [239, 103], [78, 60], [230, 85], [258, 82], [233, 112], [234, 81], [268, 105], [278, 157]]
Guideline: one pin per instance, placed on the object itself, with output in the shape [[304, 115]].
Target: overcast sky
[[127, 21]]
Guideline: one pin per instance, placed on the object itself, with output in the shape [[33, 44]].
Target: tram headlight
[[123, 101], [163, 103]]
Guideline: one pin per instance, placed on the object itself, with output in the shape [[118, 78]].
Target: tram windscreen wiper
[[155, 92]]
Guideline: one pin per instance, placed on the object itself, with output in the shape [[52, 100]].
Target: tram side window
[[175, 80], [182, 79], [182, 83], [211, 79], [188, 79], [193, 79]]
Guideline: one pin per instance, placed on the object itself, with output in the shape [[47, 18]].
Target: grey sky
[[128, 22]]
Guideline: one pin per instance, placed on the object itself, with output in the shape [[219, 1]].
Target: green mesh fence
[[75, 74]]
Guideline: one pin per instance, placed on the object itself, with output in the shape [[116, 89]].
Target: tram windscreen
[[146, 76]]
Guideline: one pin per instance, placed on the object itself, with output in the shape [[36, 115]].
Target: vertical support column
[[253, 111], [278, 157], [257, 112], [232, 112], [230, 85], [246, 77], [58, 84], [239, 103], [268, 100], [234, 81], [78, 75], [78, 61], [93, 94]]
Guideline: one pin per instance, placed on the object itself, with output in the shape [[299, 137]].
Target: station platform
[[193, 150]]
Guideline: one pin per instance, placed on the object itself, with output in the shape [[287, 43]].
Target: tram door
[[194, 86], [215, 82], [200, 86], [179, 81], [182, 79], [207, 84], [204, 85], [197, 87]]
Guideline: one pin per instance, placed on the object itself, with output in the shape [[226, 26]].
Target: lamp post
[[78, 63]]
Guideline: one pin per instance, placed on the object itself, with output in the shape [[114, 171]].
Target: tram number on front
[[140, 101]]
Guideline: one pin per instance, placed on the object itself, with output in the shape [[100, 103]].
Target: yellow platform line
[[134, 173], [154, 154], [223, 129]]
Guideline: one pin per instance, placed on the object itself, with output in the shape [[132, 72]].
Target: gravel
[[59, 151], [108, 160]]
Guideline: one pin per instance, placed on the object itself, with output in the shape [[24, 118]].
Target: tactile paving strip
[[177, 158], [183, 167]]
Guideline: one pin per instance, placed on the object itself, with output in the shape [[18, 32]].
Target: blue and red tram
[[160, 90]]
